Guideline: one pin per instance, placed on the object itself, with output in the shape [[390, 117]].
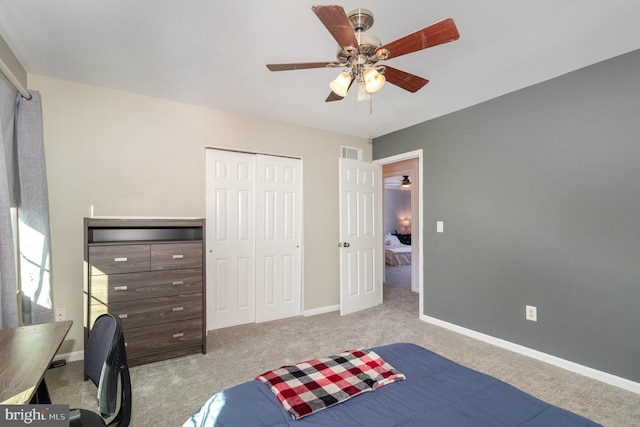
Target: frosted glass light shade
[[362, 94], [373, 80], [341, 84]]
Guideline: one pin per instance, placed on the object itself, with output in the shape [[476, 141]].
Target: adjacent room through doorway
[[402, 178], [397, 230]]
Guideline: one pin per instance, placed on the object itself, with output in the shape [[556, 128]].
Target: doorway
[[410, 164], [397, 225]]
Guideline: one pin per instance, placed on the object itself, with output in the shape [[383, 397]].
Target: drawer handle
[[120, 288], [178, 256], [178, 335], [178, 308], [123, 316], [178, 282], [121, 259]]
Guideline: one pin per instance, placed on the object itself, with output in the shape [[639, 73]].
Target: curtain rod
[[6, 71]]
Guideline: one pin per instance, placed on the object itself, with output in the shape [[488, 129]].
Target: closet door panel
[[230, 238], [278, 237]]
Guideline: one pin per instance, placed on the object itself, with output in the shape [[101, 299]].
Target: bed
[[435, 392], [395, 252]]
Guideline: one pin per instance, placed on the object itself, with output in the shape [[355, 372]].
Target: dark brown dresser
[[151, 274]]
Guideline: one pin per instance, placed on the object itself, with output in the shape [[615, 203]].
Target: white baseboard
[[553, 360], [321, 310]]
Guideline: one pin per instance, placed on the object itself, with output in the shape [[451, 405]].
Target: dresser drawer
[[150, 284], [119, 259], [176, 255], [135, 314], [158, 338]]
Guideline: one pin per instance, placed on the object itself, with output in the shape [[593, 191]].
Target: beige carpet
[[398, 276], [166, 393]]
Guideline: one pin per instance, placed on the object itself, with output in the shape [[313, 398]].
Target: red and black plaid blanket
[[310, 386]]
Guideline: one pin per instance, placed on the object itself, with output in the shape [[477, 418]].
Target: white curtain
[[22, 163]]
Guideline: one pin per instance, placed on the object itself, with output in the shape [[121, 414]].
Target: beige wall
[[130, 155]]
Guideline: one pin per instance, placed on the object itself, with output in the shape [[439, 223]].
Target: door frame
[[417, 230]]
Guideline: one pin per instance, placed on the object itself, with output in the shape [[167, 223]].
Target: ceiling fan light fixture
[[341, 84], [405, 181], [362, 94], [373, 80]]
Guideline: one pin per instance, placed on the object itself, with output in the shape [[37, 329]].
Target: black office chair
[[105, 362]]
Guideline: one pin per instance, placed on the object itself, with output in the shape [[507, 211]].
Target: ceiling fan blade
[[441, 32], [301, 66], [335, 19], [406, 81], [333, 97]]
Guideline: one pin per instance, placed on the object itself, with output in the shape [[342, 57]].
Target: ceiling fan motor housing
[[364, 55], [360, 19], [368, 45]]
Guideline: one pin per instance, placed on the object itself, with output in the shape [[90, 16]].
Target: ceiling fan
[[396, 181], [359, 52]]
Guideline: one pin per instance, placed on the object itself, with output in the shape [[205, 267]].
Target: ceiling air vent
[[351, 153]]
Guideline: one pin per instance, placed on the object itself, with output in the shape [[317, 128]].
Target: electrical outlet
[[60, 314], [531, 313]]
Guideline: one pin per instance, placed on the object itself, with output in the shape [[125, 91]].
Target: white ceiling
[[213, 53]]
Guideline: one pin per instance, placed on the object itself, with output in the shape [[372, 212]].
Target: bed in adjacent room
[[416, 388], [395, 252]]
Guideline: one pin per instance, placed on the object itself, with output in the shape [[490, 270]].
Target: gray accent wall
[[539, 192]]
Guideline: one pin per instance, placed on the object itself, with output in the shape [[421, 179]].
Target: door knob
[[344, 245]]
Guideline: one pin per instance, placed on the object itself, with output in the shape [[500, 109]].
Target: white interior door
[[278, 237], [361, 270], [230, 214]]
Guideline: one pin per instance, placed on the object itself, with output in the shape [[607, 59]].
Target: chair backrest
[[105, 362]]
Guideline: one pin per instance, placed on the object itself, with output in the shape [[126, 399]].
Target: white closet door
[[278, 237], [230, 212]]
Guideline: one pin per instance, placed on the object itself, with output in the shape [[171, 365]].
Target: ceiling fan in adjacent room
[[359, 52], [397, 182]]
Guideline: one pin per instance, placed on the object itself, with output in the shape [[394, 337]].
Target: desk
[[25, 355]]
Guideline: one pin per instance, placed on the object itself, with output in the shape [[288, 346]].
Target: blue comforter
[[437, 392]]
